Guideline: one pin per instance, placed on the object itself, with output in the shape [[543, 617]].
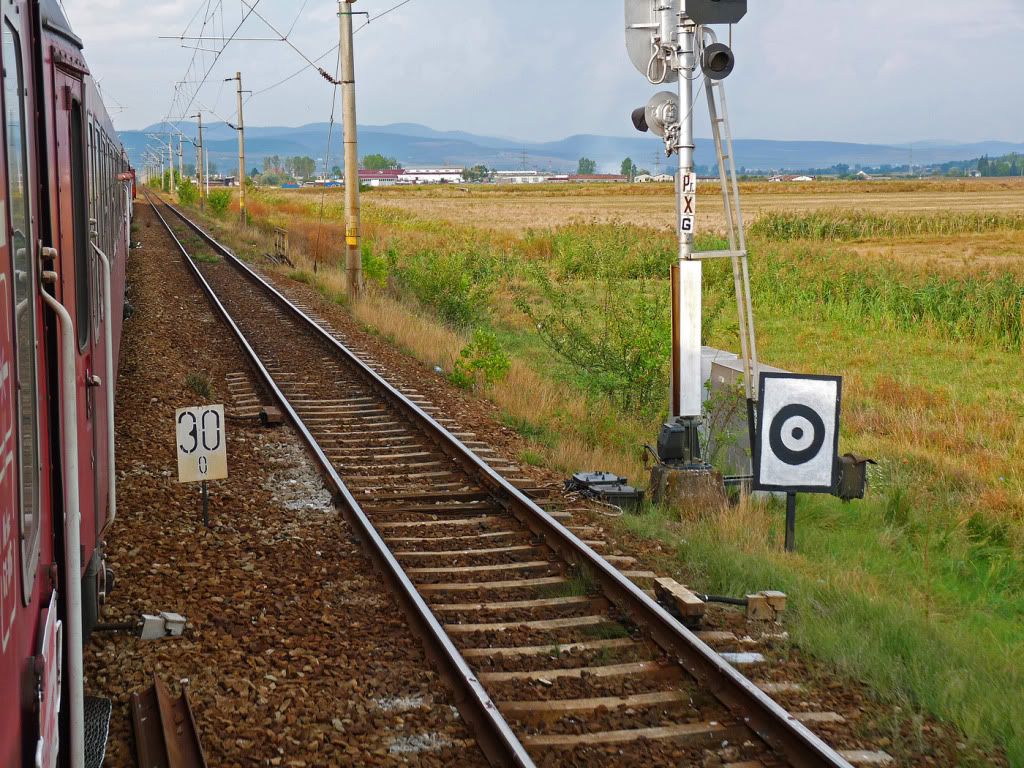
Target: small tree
[[380, 163], [586, 167], [220, 199], [188, 193], [628, 169], [477, 173]]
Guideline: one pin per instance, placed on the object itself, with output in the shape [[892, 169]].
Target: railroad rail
[[424, 503]]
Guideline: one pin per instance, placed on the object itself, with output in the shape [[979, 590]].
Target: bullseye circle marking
[[796, 433]]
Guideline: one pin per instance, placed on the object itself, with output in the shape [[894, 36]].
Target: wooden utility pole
[[199, 161], [353, 254]]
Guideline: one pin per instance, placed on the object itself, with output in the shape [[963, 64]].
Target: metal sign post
[[202, 448]]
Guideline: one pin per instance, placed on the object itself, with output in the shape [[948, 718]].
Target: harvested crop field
[[654, 206]]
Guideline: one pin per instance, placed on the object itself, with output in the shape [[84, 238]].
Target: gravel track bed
[[294, 653]]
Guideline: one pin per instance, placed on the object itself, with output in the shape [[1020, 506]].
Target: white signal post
[[665, 42], [686, 306]]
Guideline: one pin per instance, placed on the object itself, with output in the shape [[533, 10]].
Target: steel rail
[[765, 717], [492, 733]]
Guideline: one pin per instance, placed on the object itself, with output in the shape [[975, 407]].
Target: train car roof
[[54, 19]]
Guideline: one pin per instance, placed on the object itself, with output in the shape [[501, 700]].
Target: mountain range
[[415, 145]]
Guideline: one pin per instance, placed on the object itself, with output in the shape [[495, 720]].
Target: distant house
[[791, 178], [647, 178], [385, 178]]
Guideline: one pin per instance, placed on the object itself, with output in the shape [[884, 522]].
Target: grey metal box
[[715, 11]]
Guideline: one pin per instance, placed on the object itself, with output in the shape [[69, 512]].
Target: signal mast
[[671, 41]]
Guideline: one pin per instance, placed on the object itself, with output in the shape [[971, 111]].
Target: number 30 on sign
[[202, 452]]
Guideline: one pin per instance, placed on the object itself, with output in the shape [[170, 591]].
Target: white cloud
[[872, 70]]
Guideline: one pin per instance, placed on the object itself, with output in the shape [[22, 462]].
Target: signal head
[[717, 61], [640, 119], [661, 112]]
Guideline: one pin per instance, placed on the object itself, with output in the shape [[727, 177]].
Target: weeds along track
[[556, 656]]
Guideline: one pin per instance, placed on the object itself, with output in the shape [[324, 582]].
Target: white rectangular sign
[[689, 202], [798, 433], [202, 444]]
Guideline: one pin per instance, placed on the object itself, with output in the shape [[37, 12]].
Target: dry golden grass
[[989, 251]]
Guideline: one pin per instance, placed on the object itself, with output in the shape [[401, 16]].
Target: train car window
[[23, 290], [107, 188], [92, 171], [95, 160], [83, 254]]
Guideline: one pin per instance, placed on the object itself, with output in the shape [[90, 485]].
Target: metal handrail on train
[[108, 336], [72, 524]]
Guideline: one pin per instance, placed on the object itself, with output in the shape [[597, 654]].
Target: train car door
[[76, 262]]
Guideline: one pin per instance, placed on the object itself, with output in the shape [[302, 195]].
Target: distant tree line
[[1007, 165], [379, 163], [277, 169]]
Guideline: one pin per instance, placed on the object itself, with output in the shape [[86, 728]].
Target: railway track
[[555, 654]]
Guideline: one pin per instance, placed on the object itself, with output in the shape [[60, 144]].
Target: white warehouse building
[[519, 177], [431, 176]]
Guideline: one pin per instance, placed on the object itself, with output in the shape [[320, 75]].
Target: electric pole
[[199, 160], [353, 254], [241, 150], [181, 158], [242, 157], [170, 164]]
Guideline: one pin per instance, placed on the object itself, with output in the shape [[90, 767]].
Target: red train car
[[64, 228]]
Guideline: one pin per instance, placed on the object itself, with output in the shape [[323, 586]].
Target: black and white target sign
[[798, 433]]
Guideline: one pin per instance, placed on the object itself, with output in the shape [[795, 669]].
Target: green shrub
[[219, 201], [188, 193], [455, 284], [620, 348], [198, 384], [481, 363], [375, 268]]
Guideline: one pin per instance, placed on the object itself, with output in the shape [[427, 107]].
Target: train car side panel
[[26, 534]]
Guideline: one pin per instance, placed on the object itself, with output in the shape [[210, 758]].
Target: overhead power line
[[195, 93], [315, 62]]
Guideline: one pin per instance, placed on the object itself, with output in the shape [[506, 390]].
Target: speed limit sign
[[202, 450]]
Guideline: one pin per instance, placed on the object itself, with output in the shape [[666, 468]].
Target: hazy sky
[[874, 71]]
